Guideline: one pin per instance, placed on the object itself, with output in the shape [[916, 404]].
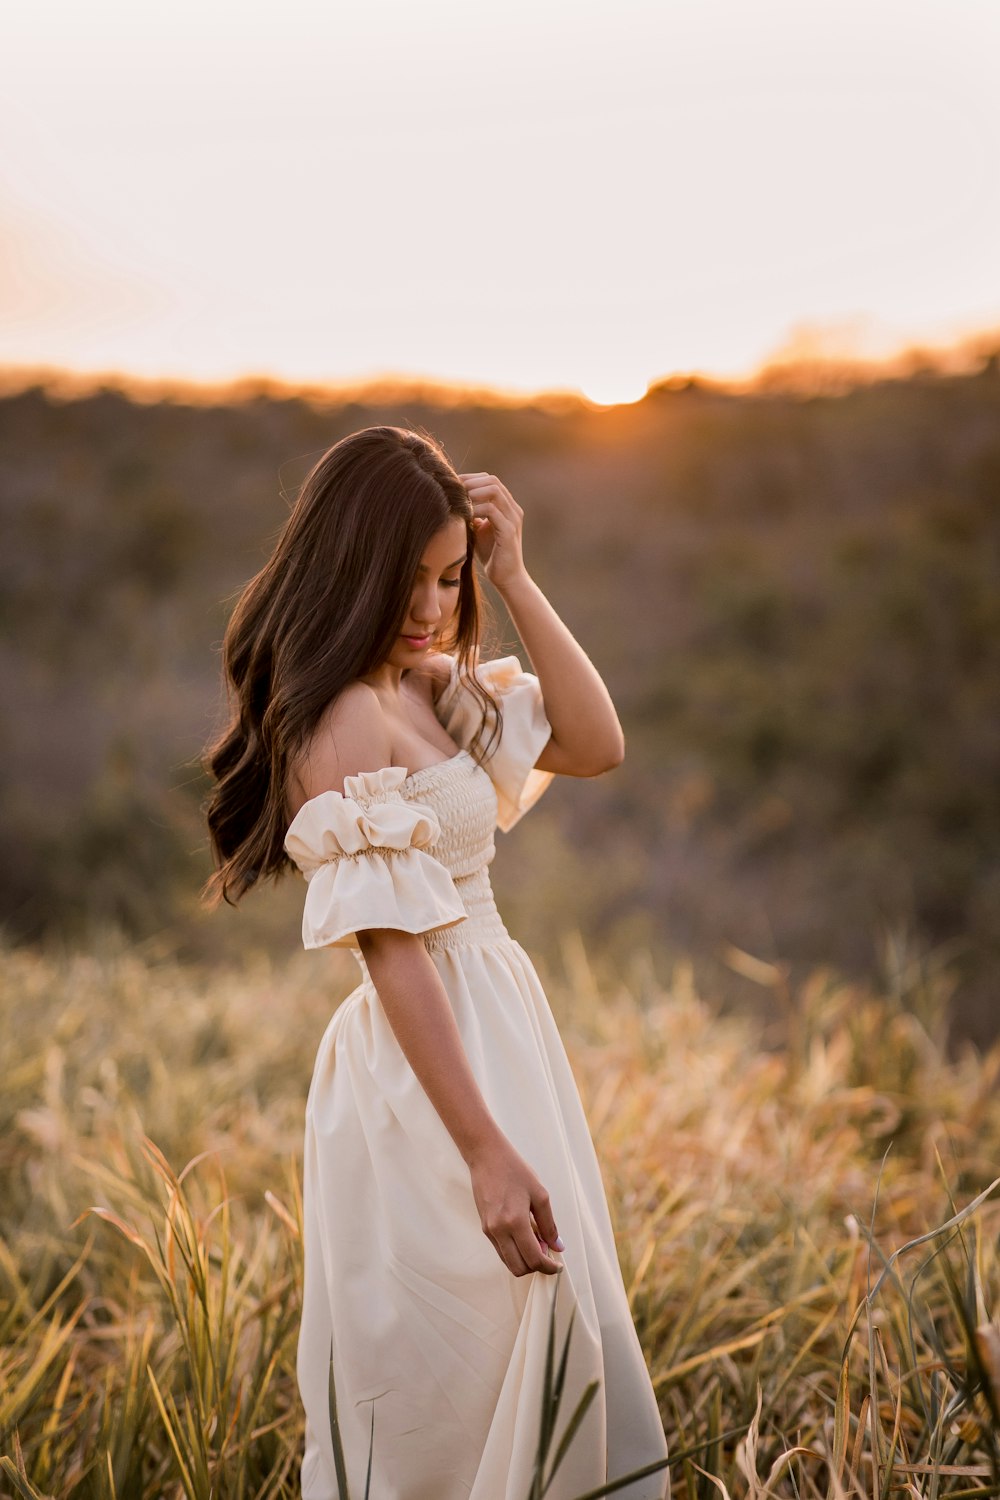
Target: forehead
[[447, 546]]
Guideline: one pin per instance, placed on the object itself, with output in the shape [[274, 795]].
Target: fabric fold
[[365, 853], [526, 731]]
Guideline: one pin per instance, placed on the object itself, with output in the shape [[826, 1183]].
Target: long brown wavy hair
[[327, 608]]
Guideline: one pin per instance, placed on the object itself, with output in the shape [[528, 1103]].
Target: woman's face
[[434, 598]]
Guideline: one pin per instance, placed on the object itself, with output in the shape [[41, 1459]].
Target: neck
[[386, 678]]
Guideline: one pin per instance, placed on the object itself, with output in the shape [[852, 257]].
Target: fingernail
[[557, 1243]]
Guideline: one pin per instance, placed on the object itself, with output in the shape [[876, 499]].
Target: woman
[[446, 1144]]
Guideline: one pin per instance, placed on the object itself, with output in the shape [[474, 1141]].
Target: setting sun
[[614, 391]]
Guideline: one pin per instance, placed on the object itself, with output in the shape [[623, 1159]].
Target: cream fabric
[[526, 731], [424, 1321], [363, 852]]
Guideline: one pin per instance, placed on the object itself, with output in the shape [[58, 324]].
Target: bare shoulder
[[352, 736]]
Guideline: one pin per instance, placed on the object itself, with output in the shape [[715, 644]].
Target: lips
[[416, 640]]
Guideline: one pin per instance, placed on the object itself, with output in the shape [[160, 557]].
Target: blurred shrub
[[795, 604]]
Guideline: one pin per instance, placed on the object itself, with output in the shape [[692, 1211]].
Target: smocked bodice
[[463, 798], [412, 850]]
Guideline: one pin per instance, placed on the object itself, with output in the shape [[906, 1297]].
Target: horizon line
[[802, 370]]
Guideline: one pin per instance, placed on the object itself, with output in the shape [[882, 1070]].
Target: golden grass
[[770, 1193]]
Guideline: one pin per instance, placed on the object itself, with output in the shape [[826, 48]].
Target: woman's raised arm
[[587, 736]]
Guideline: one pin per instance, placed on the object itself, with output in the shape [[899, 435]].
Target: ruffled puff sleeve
[[510, 765], [365, 855]]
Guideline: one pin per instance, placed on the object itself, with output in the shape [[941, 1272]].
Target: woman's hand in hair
[[498, 522]]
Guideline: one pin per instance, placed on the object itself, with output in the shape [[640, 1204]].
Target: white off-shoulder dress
[[405, 1298]]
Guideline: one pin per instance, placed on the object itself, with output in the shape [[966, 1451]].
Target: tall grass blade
[[340, 1463]]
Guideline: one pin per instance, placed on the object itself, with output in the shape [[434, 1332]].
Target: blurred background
[[712, 288]]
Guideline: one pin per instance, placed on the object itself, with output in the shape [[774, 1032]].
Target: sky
[[588, 196]]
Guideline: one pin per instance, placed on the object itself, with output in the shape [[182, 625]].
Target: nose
[[425, 606]]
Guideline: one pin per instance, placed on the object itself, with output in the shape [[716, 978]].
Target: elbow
[[607, 755], [599, 755], [616, 752]]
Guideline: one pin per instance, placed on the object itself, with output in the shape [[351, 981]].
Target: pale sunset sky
[[547, 195]]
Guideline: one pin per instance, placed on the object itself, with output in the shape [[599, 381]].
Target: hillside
[[794, 602]]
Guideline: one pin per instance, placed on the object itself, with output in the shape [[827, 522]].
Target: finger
[[498, 1248], [479, 492], [545, 1221], [551, 1241], [535, 1259], [491, 505], [539, 1237], [485, 482], [509, 1253], [511, 1256]]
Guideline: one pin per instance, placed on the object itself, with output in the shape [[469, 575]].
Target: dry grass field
[[803, 1205]]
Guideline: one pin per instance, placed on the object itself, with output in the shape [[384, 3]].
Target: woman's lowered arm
[[419, 1012]]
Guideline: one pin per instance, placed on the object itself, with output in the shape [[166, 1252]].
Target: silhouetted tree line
[[794, 601]]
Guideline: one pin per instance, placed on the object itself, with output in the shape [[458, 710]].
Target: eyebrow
[[423, 566]]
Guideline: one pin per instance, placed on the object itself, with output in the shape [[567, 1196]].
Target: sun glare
[[614, 392]]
